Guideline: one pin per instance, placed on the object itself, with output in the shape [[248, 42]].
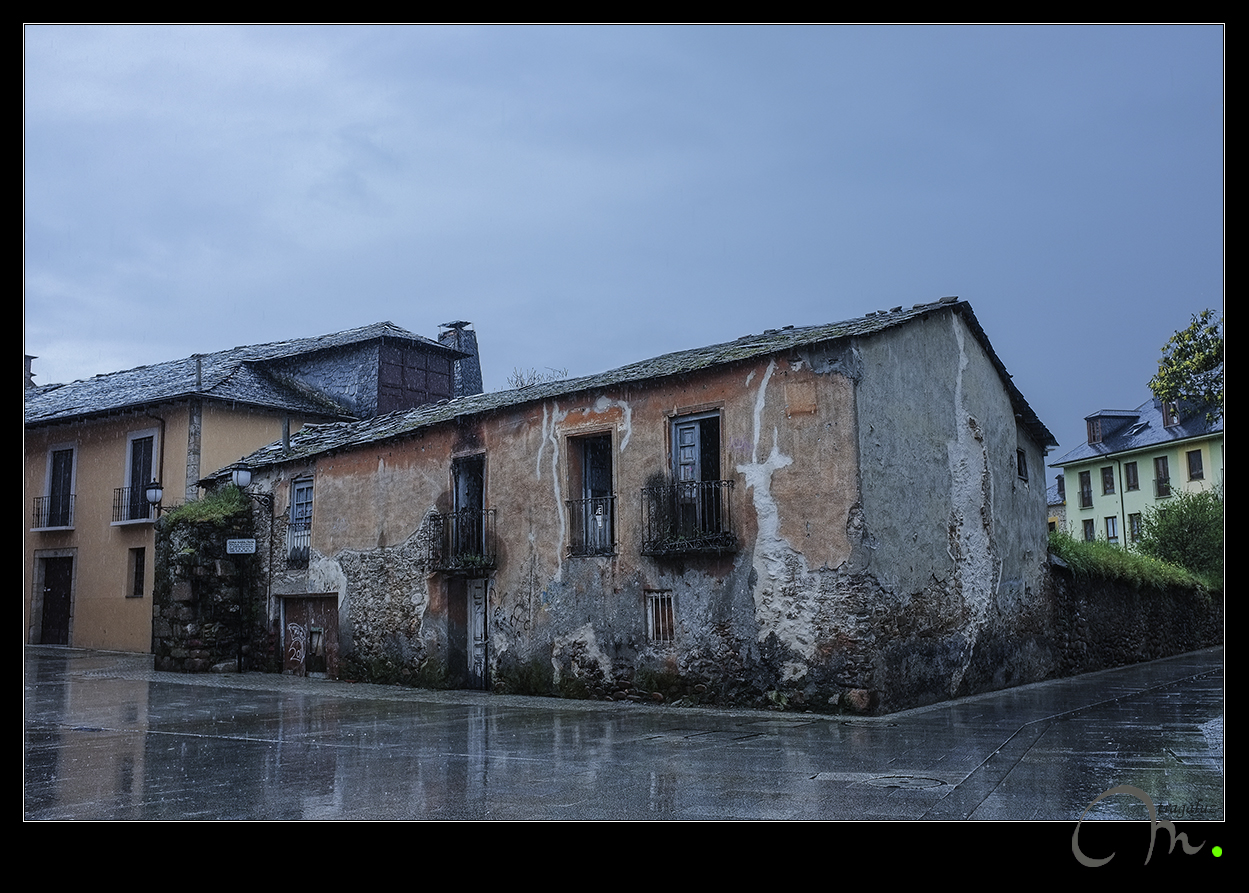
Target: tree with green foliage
[[1188, 531], [1191, 368]]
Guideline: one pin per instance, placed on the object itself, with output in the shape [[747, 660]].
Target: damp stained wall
[[957, 535], [883, 530], [786, 438]]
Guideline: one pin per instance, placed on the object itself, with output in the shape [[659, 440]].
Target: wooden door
[[58, 580]]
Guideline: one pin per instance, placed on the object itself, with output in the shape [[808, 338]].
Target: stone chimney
[[30, 380], [458, 336]]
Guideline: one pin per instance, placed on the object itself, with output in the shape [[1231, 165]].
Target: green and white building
[[1134, 460]]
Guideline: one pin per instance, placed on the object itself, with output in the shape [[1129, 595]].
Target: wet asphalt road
[[108, 738]]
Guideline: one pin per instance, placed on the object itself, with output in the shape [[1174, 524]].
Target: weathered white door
[[477, 632]]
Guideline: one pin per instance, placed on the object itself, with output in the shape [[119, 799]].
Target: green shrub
[[1188, 531], [218, 507], [1106, 561]]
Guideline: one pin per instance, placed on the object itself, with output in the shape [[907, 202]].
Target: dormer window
[[1095, 430], [1170, 415]]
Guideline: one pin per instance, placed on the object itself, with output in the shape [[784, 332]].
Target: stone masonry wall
[[207, 605]]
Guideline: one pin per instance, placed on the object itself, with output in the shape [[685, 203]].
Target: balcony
[[463, 542], [130, 504], [1162, 488], [592, 527], [53, 512], [298, 541], [689, 518]]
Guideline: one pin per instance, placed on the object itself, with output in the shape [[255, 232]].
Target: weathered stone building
[[849, 513]]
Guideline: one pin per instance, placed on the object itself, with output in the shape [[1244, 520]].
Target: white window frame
[[1201, 465], [130, 485], [55, 448], [153, 433], [137, 565], [299, 520]]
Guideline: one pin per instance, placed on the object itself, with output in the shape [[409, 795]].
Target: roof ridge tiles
[[668, 364], [204, 374]]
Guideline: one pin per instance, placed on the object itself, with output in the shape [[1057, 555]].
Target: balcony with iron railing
[[592, 526], [53, 512], [130, 504], [688, 518], [462, 542], [298, 541], [1162, 488]]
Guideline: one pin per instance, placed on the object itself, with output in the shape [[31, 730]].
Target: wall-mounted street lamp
[[241, 476], [153, 493]]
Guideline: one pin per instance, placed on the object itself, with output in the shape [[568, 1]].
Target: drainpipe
[[1123, 518]]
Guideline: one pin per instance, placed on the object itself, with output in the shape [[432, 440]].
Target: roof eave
[[186, 396]]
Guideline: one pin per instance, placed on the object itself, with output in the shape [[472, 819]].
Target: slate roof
[[239, 375], [317, 439], [1138, 429]]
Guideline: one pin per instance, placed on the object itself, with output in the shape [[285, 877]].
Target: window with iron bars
[[660, 619]]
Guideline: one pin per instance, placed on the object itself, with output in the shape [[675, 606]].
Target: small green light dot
[[1216, 851]]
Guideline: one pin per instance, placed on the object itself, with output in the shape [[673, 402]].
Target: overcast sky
[[591, 196]]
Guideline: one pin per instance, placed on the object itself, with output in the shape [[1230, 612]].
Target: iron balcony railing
[[592, 525], [463, 541], [130, 504], [298, 540], [1162, 488], [54, 511], [688, 518]]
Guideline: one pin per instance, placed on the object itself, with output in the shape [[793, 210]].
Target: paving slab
[[109, 738]]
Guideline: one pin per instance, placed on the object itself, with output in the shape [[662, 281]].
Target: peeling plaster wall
[[959, 544], [883, 533]]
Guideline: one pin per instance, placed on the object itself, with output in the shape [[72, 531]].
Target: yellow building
[[1136, 460], [93, 447]]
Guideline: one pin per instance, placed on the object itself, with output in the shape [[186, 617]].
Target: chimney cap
[[458, 324]]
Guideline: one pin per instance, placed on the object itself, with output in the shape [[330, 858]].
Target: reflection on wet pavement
[[109, 738]]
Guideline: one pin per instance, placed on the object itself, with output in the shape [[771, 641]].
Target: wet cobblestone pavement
[[107, 737]]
